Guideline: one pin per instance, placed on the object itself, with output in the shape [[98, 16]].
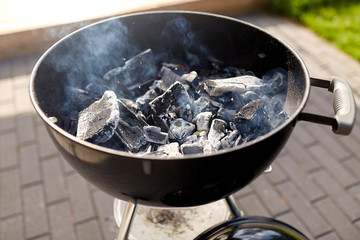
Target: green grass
[[336, 21]]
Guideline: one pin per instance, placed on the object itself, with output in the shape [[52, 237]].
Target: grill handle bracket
[[343, 103]]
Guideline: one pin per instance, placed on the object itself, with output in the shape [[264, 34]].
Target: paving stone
[[302, 134], [355, 193], [7, 119], [43, 237], [351, 143], [244, 191], [269, 196], [332, 164], [22, 101], [54, 181], [66, 166], [252, 206], [80, 198], [277, 174], [291, 219], [338, 195], [12, 228], [330, 236], [10, 195], [25, 128], [304, 209], [8, 153], [342, 225], [302, 179], [46, 145], [89, 230], [4, 68], [300, 153], [29, 164], [36, 221], [353, 166], [104, 209], [329, 141], [61, 222], [21, 81], [6, 86]]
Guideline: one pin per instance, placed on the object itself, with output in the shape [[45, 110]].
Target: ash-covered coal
[[177, 110]]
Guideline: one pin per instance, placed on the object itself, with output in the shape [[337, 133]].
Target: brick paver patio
[[314, 186]]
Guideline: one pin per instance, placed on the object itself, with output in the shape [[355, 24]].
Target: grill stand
[[127, 218], [126, 221]]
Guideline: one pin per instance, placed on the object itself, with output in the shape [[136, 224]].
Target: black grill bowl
[[180, 182]]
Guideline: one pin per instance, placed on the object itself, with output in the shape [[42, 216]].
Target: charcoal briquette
[[217, 87], [229, 140], [192, 148], [153, 134], [169, 77], [133, 137], [217, 132], [203, 120], [249, 110], [173, 99], [180, 129], [136, 71], [98, 122]]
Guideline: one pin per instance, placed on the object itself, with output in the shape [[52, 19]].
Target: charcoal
[[144, 100], [186, 113], [192, 148], [226, 114], [133, 137], [217, 87], [79, 99], [201, 133], [98, 122], [229, 140], [162, 121], [129, 104], [203, 121], [115, 142], [169, 77], [179, 68], [189, 77], [191, 139], [127, 115], [208, 148], [171, 149], [153, 134], [249, 110], [202, 104], [173, 99], [136, 71], [217, 132], [180, 129], [53, 119]]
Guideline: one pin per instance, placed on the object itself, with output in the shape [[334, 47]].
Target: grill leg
[[126, 221], [234, 208]]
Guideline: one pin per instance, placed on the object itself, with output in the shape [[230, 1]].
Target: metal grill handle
[[343, 103]]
